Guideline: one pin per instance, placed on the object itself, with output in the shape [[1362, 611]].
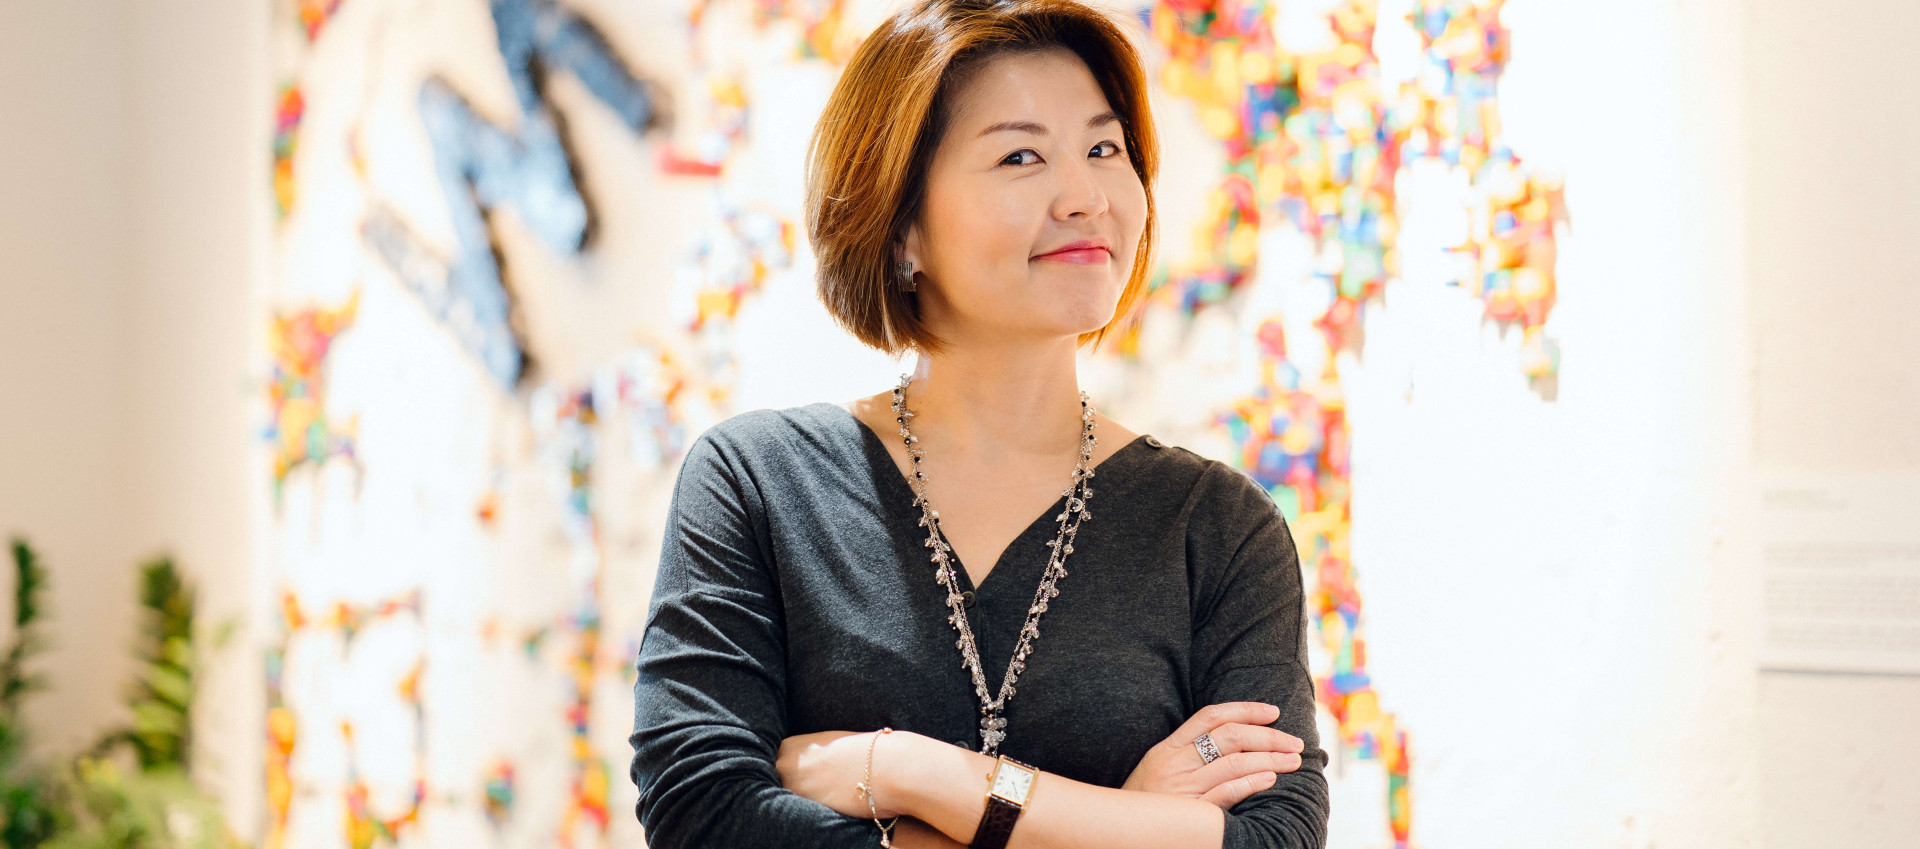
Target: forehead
[[1051, 86]]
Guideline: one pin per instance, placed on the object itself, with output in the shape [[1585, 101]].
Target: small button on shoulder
[[1155, 442]]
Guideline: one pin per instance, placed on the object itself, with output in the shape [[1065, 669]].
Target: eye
[[1117, 150], [1016, 154]]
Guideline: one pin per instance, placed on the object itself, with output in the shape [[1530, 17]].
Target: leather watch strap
[[996, 825]]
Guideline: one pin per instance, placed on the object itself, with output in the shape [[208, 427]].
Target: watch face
[[1012, 783]]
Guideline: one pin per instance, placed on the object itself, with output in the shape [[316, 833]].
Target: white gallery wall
[[1563, 597], [134, 198], [1834, 275], [62, 323]]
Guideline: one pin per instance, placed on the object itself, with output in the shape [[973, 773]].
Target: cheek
[[989, 231], [1136, 200], [1013, 216], [1127, 203]]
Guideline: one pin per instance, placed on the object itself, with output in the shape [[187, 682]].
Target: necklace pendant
[[992, 730]]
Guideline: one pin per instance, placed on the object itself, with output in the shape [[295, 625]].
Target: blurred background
[[348, 349]]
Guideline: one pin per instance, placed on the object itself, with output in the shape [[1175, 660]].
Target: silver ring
[[1208, 751]]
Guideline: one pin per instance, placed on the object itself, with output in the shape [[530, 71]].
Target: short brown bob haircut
[[869, 156]]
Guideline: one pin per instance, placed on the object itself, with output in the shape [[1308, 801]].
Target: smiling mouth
[[1082, 256]]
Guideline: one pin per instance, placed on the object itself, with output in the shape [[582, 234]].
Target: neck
[[1000, 404]]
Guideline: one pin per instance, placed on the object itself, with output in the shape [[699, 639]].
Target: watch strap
[[996, 822], [996, 825]]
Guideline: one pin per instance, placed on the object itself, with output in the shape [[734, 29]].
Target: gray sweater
[[795, 595]]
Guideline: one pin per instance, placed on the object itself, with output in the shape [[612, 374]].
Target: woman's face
[[1033, 161]]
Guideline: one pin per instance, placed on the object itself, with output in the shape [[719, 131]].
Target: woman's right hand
[[1252, 755]]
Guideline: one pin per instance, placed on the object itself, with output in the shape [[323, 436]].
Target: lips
[[1083, 252]]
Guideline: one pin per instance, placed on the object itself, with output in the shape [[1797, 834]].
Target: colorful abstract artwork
[[566, 430], [634, 413], [482, 166], [313, 16], [1453, 115], [286, 139], [819, 23], [338, 624], [1317, 141], [365, 826], [500, 793], [290, 105], [299, 430], [1306, 137], [821, 37]]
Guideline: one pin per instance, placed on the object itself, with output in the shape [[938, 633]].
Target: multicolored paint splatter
[[313, 16], [732, 261], [1452, 115], [1316, 141], [283, 732], [821, 33], [566, 427], [345, 621], [1223, 57], [288, 109], [365, 827], [500, 796], [726, 129], [299, 429], [648, 389]]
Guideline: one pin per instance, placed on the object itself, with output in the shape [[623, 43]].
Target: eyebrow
[[1107, 117]]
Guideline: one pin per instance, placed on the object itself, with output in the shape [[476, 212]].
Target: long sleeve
[[1250, 645], [709, 704]]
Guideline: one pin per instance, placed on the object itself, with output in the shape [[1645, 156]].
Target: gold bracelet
[[866, 789]]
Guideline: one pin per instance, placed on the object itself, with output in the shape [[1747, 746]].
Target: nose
[[1081, 194]]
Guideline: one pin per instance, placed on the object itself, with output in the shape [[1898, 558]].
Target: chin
[[1082, 322], [1080, 304]]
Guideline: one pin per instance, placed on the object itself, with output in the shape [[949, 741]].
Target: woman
[[978, 194]]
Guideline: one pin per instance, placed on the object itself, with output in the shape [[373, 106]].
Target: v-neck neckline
[[878, 455]]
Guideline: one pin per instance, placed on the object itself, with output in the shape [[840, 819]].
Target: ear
[[908, 248]]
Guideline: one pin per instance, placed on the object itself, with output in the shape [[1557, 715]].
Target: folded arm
[[709, 709], [945, 786], [1249, 646]]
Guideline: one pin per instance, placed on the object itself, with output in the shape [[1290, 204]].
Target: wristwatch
[[1008, 787]]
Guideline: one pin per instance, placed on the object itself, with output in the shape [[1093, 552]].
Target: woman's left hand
[[827, 766]]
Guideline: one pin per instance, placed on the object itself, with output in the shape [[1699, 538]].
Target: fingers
[[1237, 737], [1242, 764], [1231, 793], [1213, 716]]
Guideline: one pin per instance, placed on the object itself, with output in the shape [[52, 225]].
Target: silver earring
[[903, 275]]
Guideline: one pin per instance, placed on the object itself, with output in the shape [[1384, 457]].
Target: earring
[[903, 275]]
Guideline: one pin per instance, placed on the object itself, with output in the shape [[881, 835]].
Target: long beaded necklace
[[993, 724]]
